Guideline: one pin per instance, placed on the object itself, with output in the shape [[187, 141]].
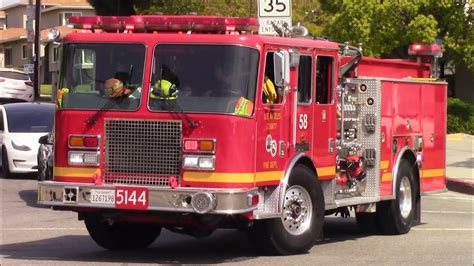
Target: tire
[[120, 235], [286, 235], [5, 166], [395, 217]]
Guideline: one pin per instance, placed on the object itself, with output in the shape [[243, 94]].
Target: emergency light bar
[[420, 49], [165, 23]]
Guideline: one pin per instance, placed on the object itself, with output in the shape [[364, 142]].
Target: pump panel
[[358, 141]]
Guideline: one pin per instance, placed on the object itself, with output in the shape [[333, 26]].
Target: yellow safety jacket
[[164, 89], [269, 91]]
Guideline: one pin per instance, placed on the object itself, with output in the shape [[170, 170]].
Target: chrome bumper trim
[[228, 201]]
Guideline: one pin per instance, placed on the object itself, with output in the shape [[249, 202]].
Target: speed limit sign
[[274, 8], [273, 12]]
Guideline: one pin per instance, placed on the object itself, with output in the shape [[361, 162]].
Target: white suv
[[15, 85]]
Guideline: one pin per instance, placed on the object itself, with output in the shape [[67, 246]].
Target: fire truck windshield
[[202, 77], [88, 67]]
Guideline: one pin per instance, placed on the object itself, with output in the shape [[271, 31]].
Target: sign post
[[276, 11]]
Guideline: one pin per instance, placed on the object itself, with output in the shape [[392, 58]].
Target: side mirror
[[44, 140], [281, 60]]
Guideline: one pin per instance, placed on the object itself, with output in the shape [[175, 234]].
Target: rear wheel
[[395, 217], [5, 166], [302, 217], [120, 235]]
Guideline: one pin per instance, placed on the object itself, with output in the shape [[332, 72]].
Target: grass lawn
[[45, 89]]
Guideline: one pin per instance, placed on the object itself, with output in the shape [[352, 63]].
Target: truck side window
[[270, 91], [324, 79], [304, 79]]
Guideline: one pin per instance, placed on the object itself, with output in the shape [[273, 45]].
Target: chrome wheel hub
[[297, 210], [404, 197]]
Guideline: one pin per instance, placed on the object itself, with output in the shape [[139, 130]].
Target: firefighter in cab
[[167, 86]]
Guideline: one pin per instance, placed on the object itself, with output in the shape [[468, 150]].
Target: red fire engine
[[263, 133]]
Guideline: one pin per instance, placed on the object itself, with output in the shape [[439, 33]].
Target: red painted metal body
[[243, 159]]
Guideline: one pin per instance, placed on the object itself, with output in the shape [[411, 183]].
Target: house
[[2, 20], [15, 50]]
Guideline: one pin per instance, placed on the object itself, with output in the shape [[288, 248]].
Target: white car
[[21, 126], [15, 86]]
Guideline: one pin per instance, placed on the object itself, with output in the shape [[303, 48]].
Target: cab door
[[273, 125], [325, 116]]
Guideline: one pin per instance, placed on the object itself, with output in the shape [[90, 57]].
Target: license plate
[[100, 196], [134, 198]]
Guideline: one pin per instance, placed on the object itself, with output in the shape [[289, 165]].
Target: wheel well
[[308, 163], [410, 157]]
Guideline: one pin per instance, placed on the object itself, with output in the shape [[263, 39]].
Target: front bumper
[[227, 201], [18, 94], [23, 161]]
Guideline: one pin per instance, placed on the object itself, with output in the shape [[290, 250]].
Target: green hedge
[[460, 116], [45, 89]]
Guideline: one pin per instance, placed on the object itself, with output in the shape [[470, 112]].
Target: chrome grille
[[142, 152]]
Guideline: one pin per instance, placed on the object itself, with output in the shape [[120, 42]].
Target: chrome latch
[[330, 145]]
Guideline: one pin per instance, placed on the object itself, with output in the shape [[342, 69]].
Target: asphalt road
[[33, 235]]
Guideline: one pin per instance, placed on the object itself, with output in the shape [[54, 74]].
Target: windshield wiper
[[110, 103], [172, 105]]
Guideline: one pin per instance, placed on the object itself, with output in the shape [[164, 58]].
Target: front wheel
[[302, 217], [395, 217], [5, 166], [120, 235]]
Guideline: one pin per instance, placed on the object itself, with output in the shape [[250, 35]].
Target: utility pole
[[30, 34], [37, 56]]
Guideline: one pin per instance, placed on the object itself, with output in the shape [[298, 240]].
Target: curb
[[459, 185]]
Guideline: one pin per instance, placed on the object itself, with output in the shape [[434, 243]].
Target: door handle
[[330, 145]]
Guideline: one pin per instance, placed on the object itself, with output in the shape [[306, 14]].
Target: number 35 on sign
[[274, 8]]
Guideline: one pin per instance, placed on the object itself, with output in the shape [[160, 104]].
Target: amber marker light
[[76, 141], [207, 145], [199, 145], [84, 142]]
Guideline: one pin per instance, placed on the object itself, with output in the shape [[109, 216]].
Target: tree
[[310, 15], [386, 28], [113, 7]]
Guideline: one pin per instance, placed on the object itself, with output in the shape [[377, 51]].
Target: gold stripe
[[219, 177], [387, 177], [384, 165], [424, 174], [74, 172], [325, 171], [269, 176], [432, 173]]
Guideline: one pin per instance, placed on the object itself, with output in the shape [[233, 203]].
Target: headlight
[[20, 146], [83, 158], [206, 163], [198, 162], [190, 162]]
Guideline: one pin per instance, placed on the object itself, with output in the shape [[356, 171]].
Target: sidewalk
[[460, 163]]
